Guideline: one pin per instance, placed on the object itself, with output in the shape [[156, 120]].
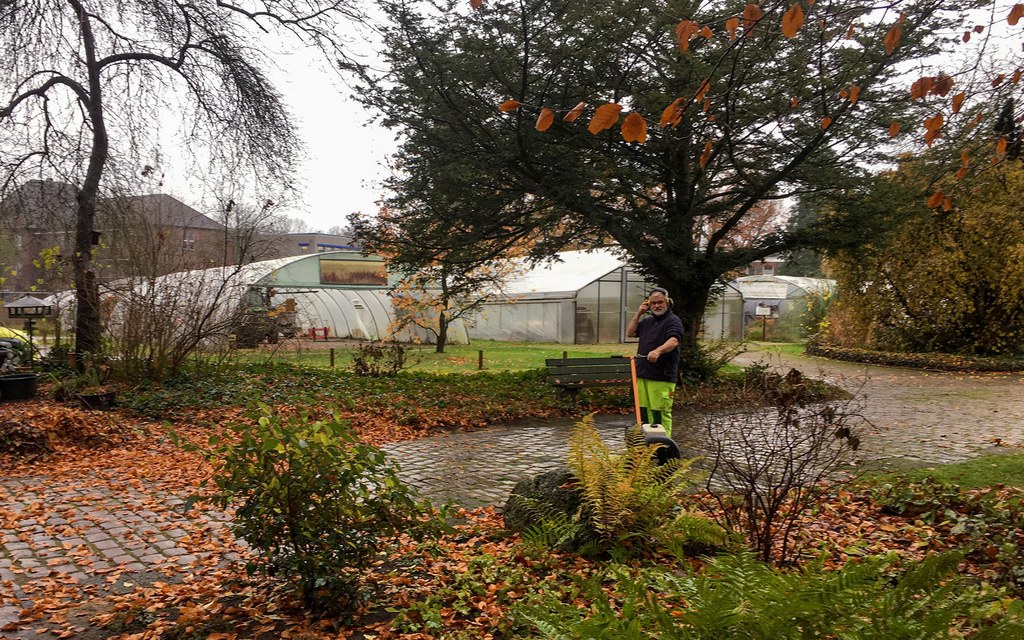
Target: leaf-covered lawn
[[466, 583], [385, 409]]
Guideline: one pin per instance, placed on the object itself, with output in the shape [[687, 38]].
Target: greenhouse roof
[[780, 287], [572, 271]]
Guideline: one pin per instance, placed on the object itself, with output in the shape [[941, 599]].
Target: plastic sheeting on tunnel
[[358, 314], [356, 311]]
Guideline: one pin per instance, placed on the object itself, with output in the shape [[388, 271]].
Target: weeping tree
[[659, 127], [89, 85]]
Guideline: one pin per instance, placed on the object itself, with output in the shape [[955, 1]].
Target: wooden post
[[480, 359], [565, 355], [332, 357]]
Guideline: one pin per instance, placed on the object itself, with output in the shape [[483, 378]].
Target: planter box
[[98, 401], [18, 386]]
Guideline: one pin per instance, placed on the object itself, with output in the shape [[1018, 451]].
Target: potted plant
[[88, 388], [15, 384]]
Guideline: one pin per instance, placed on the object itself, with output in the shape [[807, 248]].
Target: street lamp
[[29, 309]]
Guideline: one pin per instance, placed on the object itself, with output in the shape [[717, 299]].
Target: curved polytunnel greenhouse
[[340, 294]]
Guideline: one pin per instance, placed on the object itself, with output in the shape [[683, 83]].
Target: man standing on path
[[658, 373]]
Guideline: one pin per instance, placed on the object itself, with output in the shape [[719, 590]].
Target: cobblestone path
[[919, 418], [924, 417]]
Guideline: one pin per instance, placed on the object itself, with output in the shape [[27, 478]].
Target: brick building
[[135, 235]]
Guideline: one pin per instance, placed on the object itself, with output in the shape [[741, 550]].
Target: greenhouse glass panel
[[587, 302], [609, 307]]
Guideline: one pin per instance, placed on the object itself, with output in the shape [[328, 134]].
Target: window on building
[[189, 241]]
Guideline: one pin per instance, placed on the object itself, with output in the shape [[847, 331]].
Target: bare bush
[[771, 462], [378, 358], [156, 324]]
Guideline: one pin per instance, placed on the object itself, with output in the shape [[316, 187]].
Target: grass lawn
[[988, 471], [458, 358], [783, 348]]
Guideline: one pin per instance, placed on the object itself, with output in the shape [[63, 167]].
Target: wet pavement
[[917, 418], [104, 529], [479, 468]]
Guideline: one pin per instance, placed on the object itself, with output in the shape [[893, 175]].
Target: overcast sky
[[347, 156]]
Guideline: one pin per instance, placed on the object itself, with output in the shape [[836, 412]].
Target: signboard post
[[764, 312]]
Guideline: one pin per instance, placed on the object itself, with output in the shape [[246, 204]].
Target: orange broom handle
[[636, 394]]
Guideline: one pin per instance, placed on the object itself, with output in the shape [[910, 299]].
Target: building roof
[[49, 203], [163, 210], [40, 203], [567, 274]]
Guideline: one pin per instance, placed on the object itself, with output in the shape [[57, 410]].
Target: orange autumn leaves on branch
[[634, 126], [790, 22]]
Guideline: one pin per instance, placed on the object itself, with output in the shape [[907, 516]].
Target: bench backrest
[[588, 371]]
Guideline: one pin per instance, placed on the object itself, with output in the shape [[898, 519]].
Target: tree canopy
[[948, 281], [517, 108]]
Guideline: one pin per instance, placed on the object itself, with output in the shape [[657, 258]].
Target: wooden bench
[[569, 375]]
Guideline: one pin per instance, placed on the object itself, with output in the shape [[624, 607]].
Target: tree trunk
[[442, 332], [689, 300], [88, 325]]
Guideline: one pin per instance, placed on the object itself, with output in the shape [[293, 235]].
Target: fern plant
[[552, 529], [739, 597], [629, 501]]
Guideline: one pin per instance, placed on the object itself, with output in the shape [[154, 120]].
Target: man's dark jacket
[[653, 331]]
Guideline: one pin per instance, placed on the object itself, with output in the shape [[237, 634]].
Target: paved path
[[86, 535], [919, 418], [924, 417], [90, 534], [480, 468]]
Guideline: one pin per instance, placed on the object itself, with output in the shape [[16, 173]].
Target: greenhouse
[[779, 300], [340, 294], [581, 297]]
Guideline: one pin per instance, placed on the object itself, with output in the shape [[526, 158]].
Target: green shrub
[[927, 499], [738, 598], [484, 576], [702, 365], [936, 361], [312, 501], [987, 525]]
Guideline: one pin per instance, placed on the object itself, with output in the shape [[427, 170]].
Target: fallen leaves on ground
[[108, 467]]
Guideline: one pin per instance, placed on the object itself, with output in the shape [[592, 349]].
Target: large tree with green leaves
[[88, 86], [937, 279], [756, 103]]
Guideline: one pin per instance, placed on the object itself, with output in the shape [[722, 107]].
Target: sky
[[347, 154]]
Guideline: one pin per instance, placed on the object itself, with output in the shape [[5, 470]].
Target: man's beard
[[660, 312]]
